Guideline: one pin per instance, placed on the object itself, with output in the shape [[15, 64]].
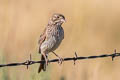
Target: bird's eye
[[58, 17]]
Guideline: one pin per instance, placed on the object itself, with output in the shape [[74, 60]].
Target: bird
[[51, 38]]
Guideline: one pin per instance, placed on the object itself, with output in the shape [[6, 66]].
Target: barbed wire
[[30, 62]]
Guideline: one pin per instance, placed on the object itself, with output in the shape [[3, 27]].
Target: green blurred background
[[91, 28]]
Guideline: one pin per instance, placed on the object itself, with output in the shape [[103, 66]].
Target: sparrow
[[51, 38]]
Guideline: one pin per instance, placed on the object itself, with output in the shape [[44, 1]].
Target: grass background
[[91, 28]]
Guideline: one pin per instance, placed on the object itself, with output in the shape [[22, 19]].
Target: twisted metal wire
[[30, 62]]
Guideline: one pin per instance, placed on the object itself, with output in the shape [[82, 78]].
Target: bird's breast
[[56, 32], [54, 38]]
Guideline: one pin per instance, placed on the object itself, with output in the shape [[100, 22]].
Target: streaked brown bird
[[51, 38]]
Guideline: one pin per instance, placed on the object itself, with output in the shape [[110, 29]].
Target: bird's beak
[[63, 20]]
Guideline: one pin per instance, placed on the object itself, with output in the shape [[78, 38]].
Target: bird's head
[[57, 19]]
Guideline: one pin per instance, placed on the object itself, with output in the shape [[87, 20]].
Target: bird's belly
[[51, 44], [56, 45]]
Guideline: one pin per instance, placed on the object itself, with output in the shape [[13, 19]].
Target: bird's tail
[[42, 65]]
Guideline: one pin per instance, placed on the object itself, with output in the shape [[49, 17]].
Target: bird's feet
[[46, 62], [60, 60]]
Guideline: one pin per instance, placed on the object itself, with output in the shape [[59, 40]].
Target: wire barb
[[30, 61], [30, 57], [75, 58], [114, 55]]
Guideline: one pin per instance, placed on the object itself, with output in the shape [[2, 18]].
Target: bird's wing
[[42, 39]]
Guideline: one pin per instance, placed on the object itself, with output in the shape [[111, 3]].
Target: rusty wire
[[30, 62]]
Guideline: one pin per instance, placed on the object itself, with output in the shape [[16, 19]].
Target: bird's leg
[[46, 59], [60, 59]]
